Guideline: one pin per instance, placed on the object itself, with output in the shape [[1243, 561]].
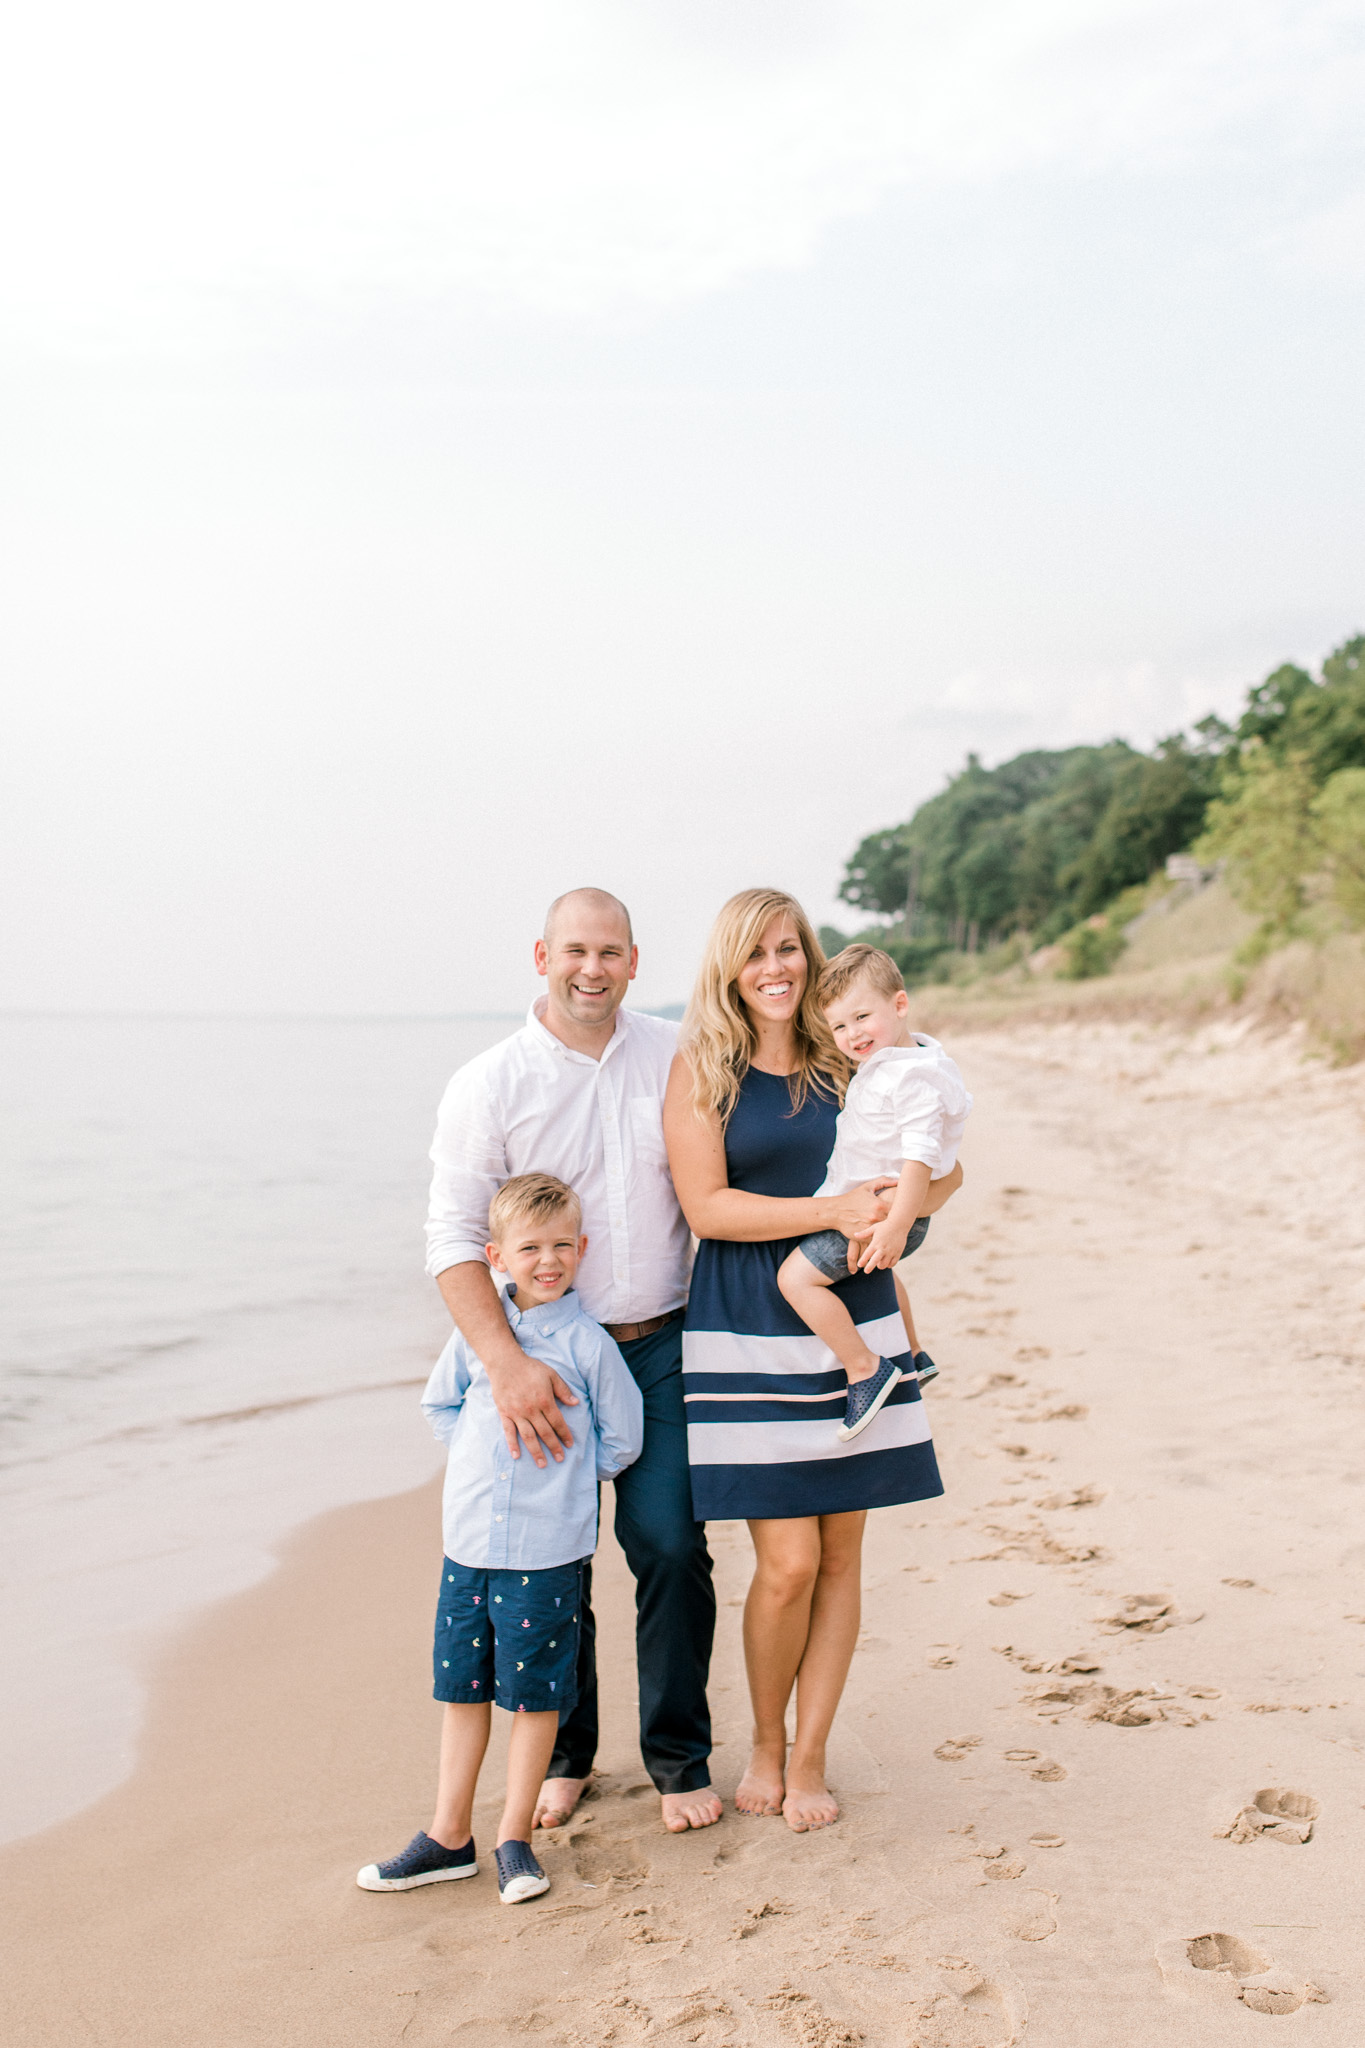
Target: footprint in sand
[[1137, 1707], [942, 1656], [599, 1862], [1278, 1814], [1044, 1768], [1033, 1918], [992, 1383], [956, 1747], [969, 2009], [1081, 1663], [805, 2021], [1087, 1496], [1222, 1969], [1143, 1614], [754, 1916]]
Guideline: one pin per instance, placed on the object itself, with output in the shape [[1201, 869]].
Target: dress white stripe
[[729, 1351], [832, 1394], [794, 1441]]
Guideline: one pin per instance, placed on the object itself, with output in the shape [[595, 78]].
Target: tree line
[[1053, 839]]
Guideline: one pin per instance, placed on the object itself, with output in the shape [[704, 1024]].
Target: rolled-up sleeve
[[921, 1115], [469, 1155]]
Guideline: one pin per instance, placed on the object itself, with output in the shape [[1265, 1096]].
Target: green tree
[[997, 848], [1264, 830], [1327, 721], [1155, 808], [1091, 950], [1058, 829], [1269, 704], [1339, 815]]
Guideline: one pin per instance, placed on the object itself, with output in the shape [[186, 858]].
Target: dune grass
[[1179, 968]]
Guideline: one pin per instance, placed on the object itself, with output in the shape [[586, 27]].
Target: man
[[578, 1092]]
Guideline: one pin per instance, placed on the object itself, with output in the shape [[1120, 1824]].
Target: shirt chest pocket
[[645, 1126]]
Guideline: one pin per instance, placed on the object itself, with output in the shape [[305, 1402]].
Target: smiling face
[[588, 962], [540, 1255], [773, 979], [863, 1020]]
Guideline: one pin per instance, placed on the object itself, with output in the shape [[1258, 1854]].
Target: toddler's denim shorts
[[827, 1250], [509, 1636]]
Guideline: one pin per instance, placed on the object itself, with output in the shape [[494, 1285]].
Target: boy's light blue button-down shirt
[[504, 1513]]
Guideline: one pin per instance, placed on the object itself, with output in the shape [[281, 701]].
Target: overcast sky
[[455, 453]]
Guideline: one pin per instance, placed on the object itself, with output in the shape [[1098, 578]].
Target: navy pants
[[675, 1603]]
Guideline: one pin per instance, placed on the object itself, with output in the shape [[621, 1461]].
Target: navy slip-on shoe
[[925, 1369], [519, 1875], [866, 1399], [422, 1862]]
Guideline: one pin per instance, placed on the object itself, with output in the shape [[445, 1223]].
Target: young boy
[[516, 1540], [904, 1115]]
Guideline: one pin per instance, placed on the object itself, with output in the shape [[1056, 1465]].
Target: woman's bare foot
[[558, 1798], [760, 1789], [809, 1802], [684, 1810]]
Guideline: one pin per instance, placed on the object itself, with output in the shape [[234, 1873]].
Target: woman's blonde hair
[[718, 1037]]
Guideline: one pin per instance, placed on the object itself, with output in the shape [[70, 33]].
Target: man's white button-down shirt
[[533, 1105]]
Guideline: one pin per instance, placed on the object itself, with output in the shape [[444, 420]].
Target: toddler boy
[[904, 1115], [516, 1539]]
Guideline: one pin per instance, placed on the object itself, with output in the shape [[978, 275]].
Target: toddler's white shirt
[[904, 1102]]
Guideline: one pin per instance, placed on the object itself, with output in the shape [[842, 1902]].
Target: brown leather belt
[[628, 1333]]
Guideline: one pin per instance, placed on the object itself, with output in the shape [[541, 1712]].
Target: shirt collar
[[545, 1317], [918, 1043], [536, 1026]]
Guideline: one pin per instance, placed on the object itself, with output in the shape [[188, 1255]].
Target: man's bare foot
[[809, 1803], [684, 1810], [558, 1798], [761, 1788]]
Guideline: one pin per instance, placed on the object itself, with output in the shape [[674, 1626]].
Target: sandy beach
[[1140, 1606]]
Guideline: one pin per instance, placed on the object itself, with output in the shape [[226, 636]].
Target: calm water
[[212, 1319]]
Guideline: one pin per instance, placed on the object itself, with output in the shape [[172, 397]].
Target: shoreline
[[1135, 1608], [193, 1234], [94, 1614]]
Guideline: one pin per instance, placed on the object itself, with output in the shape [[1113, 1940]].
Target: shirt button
[[497, 1518]]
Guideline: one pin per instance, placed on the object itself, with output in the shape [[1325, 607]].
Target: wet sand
[[1139, 1606]]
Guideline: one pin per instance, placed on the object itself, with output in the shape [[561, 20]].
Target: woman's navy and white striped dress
[[764, 1395]]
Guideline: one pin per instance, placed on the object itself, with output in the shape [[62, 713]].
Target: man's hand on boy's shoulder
[[524, 1390], [525, 1393]]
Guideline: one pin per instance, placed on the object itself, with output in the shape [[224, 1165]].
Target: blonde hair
[[531, 1198], [718, 1036], [859, 962]]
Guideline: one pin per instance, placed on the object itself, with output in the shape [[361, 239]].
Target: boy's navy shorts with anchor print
[[508, 1636]]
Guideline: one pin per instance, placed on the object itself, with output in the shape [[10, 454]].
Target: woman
[[749, 1117]]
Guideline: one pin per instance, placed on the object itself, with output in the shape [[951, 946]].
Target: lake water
[[214, 1323]]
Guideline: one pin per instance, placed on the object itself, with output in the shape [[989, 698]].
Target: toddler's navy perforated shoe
[[422, 1862], [519, 1875], [925, 1369], [866, 1398]]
